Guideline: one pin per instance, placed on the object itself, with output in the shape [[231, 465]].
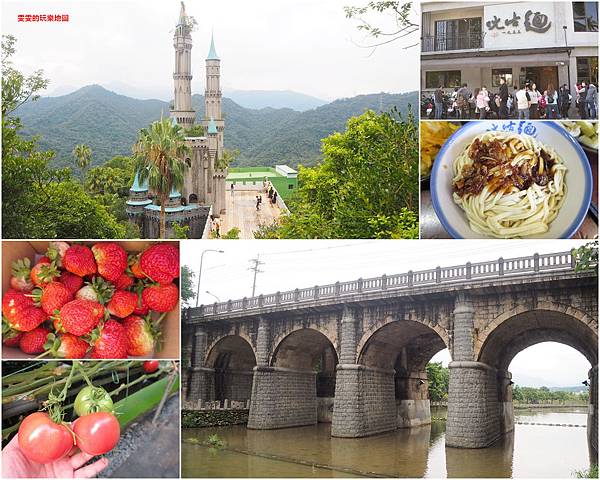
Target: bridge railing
[[458, 274]]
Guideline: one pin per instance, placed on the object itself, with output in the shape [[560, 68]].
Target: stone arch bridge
[[354, 353]]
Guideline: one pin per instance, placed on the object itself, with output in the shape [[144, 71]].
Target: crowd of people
[[524, 102]]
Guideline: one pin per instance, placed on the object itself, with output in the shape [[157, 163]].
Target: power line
[[255, 266]]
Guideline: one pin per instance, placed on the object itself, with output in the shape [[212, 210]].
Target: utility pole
[[255, 264]]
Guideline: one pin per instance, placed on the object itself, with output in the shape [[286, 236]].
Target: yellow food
[[433, 135]]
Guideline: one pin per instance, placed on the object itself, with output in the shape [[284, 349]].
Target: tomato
[[43, 441], [92, 400], [151, 366], [97, 433]]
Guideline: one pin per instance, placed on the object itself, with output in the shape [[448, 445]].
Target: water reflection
[[531, 451]]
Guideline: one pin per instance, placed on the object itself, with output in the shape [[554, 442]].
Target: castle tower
[[182, 110], [213, 94]]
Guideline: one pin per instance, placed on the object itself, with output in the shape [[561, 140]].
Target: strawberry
[[80, 317], [21, 279], [71, 281], [98, 290], [123, 282], [66, 346], [43, 272], [141, 308], [10, 336], [110, 341], [161, 298], [160, 262], [52, 297], [134, 267], [56, 251], [122, 304], [141, 336], [14, 301], [28, 318], [79, 259], [34, 341], [111, 260]]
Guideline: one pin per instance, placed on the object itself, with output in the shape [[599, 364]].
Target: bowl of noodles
[[511, 179]]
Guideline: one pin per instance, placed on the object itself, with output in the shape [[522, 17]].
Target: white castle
[[204, 183]]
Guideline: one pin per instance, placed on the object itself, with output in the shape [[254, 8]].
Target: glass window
[[587, 69], [446, 79], [498, 73], [585, 16], [460, 34]]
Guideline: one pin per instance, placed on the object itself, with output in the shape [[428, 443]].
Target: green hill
[[109, 123]]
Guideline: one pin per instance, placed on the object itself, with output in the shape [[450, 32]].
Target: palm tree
[[83, 156], [159, 158]]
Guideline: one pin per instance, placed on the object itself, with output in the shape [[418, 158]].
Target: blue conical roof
[[136, 187], [212, 127], [212, 54], [174, 193]]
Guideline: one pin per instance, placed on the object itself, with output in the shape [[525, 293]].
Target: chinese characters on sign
[[536, 22], [58, 17], [522, 126]]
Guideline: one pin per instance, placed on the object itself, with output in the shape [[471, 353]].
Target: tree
[[366, 186], [400, 13], [83, 158], [229, 156], [438, 378], [586, 257], [187, 281], [38, 201], [159, 158]]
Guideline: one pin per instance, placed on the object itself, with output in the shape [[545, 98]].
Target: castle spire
[[182, 15], [182, 110], [212, 54]]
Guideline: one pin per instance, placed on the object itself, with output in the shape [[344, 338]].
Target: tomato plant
[[42, 440], [92, 399], [150, 366], [97, 433]]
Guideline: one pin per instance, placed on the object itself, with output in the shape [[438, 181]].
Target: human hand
[[17, 465]]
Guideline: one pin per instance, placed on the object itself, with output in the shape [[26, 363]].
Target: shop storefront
[[550, 44]]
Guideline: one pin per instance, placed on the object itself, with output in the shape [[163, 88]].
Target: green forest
[[109, 123]]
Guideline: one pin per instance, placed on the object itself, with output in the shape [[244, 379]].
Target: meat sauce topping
[[491, 166]]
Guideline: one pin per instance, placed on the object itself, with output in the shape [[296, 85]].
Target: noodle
[[509, 185]]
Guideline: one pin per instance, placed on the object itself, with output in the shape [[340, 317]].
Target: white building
[[478, 43]]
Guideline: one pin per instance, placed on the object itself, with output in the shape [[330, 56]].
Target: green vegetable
[[92, 400]]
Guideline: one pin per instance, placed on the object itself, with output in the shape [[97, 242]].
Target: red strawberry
[[122, 304], [14, 301], [141, 336], [111, 341], [160, 262], [123, 282], [134, 266], [53, 297], [71, 346], [28, 318], [111, 260], [80, 317], [21, 279], [79, 259], [71, 281], [34, 341], [161, 298], [140, 307], [43, 272]]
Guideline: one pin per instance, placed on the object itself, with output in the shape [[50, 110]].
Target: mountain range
[[109, 123]]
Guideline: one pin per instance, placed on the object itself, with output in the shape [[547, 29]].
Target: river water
[[531, 451]]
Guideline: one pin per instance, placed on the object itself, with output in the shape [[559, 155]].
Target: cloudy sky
[[290, 264], [306, 46]]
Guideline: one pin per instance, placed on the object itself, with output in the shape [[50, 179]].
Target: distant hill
[[257, 99], [109, 123]]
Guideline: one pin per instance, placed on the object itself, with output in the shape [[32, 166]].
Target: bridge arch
[[232, 359]]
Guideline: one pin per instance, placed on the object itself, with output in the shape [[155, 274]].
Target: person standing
[[534, 98], [580, 99], [438, 100], [482, 100], [523, 103], [503, 94], [590, 99], [232, 189], [564, 101], [551, 103], [462, 102]]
